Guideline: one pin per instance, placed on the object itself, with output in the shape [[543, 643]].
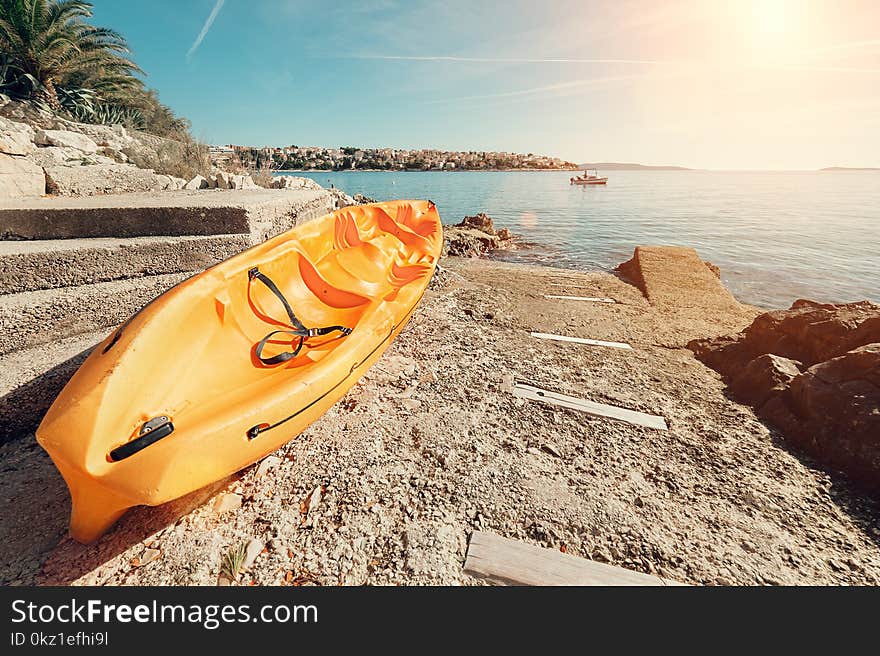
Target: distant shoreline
[[850, 168], [282, 171]]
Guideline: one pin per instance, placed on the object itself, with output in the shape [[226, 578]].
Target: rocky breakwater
[[813, 372], [476, 236]]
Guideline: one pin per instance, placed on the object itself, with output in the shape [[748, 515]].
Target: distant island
[[347, 158], [849, 168], [628, 166]]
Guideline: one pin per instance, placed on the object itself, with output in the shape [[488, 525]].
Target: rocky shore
[[431, 445], [767, 473], [813, 372], [42, 154], [476, 236]]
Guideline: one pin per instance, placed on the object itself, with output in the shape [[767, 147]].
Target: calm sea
[[777, 236]]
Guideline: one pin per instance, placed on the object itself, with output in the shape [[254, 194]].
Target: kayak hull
[[191, 357]]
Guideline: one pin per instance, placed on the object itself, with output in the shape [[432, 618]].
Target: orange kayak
[[229, 365]]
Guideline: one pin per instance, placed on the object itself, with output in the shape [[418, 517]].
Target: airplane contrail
[[207, 26]]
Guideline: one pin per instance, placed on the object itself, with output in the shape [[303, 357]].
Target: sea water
[[777, 236]]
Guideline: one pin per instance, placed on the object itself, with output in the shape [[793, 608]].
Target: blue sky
[[702, 83]]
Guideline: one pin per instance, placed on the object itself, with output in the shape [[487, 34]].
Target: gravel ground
[[431, 444]]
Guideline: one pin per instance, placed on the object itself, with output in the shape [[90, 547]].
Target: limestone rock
[[242, 182], [227, 502], [67, 139], [148, 556], [475, 236], [831, 410], [19, 177], [481, 222], [169, 182], [268, 463], [222, 180], [105, 179], [16, 138], [254, 548], [469, 242], [763, 377], [341, 199], [294, 182], [808, 332], [198, 182], [65, 156], [837, 406]]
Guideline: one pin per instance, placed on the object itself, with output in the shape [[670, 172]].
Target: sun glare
[[772, 17], [775, 26]]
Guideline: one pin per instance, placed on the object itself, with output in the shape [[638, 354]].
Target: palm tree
[[51, 41]]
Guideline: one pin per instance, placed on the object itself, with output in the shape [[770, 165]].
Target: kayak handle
[[151, 432]]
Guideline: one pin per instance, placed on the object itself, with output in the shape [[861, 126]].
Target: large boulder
[[475, 236], [198, 182], [294, 182], [808, 332], [20, 178], [106, 179], [813, 372], [242, 181], [481, 222], [762, 378], [65, 156], [222, 180], [835, 413], [16, 138], [169, 183], [465, 242], [114, 137], [341, 199], [66, 139]]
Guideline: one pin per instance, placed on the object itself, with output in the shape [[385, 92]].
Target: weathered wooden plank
[[582, 340], [532, 393], [510, 562], [593, 299]]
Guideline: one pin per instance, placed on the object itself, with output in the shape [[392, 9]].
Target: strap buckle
[[253, 272]]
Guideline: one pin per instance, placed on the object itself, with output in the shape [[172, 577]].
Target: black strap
[[298, 329], [254, 274]]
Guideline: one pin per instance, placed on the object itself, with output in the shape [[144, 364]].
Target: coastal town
[[287, 158]]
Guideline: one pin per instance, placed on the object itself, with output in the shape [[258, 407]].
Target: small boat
[[231, 364], [590, 177]]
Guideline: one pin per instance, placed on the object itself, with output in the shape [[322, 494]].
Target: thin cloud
[[849, 45], [547, 89], [831, 69], [511, 60], [205, 28]]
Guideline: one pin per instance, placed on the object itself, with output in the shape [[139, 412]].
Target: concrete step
[[30, 319], [260, 213], [47, 264], [31, 379], [674, 277]]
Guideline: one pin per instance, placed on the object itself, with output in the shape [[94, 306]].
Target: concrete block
[[48, 264], [260, 213]]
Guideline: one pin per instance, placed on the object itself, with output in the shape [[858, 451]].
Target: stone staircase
[[73, 269]]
